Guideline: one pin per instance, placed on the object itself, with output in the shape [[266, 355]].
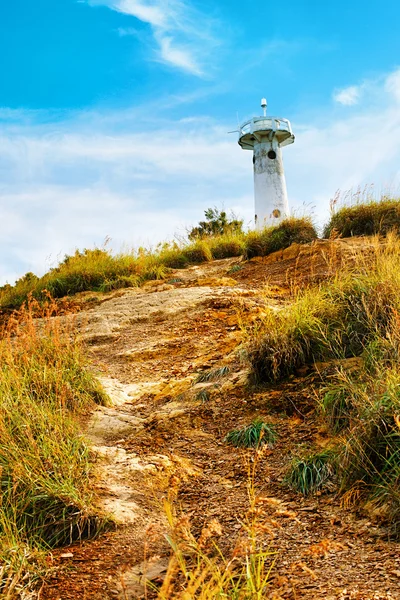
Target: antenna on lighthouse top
[[264, 106]]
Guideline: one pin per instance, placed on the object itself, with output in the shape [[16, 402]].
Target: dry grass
[[200, 570], [365, 217], [46, 497], [356, 314], [99, 270]]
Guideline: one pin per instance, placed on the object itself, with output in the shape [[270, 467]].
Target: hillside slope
[[163, 436]]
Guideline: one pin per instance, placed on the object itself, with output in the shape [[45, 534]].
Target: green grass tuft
[[255, 435], [203, 396], [212, 375], [290, 231], [365, 218], [311, 473]]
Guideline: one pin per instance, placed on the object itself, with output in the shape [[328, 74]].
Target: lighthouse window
[[271, 154]]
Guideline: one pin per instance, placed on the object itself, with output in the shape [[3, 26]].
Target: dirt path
[[164, 434]]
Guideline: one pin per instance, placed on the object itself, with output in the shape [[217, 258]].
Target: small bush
[[366, 218], [271, 239], [311, 473], [217, 223], [255, 435]]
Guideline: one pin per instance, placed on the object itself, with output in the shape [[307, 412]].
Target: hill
[[173, 358]]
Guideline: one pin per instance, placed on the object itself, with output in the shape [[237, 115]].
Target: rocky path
[[163, 436]]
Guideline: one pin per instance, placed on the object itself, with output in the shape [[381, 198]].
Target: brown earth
[[163, 437]]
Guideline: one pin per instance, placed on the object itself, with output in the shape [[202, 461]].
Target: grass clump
[[369, 458], [100, 270], [283, 341], [290, 231], [337, 406], [255, 435], [44, 461], [212, 374], [365, 218], [338, 319], [311, 473]]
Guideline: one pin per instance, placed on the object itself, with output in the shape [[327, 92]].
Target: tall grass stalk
[[200, 570], [45, 469]]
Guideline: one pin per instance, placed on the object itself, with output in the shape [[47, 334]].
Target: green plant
[[203, 396], [282, 341], [365, 218], [337, 406], [212, 374], [290, 231], [255, 435], [45, 469], [235, 269], [216, 223], [311, 473]]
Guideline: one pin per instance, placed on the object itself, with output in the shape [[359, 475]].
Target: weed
[[255, 435], [235, 269], [311, 473], [337, 406], [212, 375], [285, 340], [203, 396]]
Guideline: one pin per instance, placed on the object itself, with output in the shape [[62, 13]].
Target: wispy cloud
[[348, 96], [69, 182], [392, 85], [182, 34]]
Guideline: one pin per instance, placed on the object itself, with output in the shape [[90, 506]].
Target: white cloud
[[71, 183], [393, 84], [348, 96], [183, 35]]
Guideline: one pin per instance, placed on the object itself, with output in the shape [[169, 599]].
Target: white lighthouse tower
[[266, 136]]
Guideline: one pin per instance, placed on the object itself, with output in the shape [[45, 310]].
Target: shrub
[[271, 239], [227, 246], [216, 223], [366, 218], [255, 435]]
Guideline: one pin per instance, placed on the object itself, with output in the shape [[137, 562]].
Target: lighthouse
[[265, 136]]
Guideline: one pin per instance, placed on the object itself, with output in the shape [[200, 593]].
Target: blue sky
[[114, 114]]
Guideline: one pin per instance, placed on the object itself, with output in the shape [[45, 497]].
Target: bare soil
[[163, 437]]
